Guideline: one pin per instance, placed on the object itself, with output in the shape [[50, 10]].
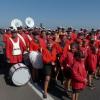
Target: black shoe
[[68, 94], [44, 96], [91, 87], [93, 84], [69, 90], [96, 78], [99, 76]]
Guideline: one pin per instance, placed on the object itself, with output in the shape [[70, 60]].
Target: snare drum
[[36, 59], [19, 74]]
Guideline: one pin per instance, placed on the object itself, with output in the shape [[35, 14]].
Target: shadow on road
[[57, 90]]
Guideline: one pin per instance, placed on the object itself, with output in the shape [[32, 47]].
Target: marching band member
[[67, 69], [73, 35], [14, 49], [57, 38], [91, 63], [66, 48], [82, 46], [29, 36], [65, 44], [34, 46], [79, 75], [98, 62], [49, 58], [24, 38], [57, 67], [43, 39], [6, 36]]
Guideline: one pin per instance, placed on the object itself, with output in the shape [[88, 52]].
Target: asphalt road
[[8, 92], [57, 92]]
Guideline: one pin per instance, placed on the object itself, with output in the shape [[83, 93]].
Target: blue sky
[[52, 13]]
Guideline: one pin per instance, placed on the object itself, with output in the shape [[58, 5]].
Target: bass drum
[[19, 74], [36, 59]]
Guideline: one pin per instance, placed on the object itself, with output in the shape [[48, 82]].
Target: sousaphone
[[15, 23], [29, 22]]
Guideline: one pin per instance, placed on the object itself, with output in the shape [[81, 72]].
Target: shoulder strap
[[29, 37], [22, 39], [11, 40]]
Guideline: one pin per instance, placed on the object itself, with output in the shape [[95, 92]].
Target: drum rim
[[18, 69]]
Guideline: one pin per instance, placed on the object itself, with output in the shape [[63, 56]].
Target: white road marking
[[40, 92]]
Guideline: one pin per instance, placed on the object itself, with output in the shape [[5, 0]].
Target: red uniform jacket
[[25, 39], [48, 56], [57, 47], [78, 40], [69, 59], [33, 46], [97, 43], [42, 43], [6, 36], [84, 50], [91, 61], [73, 36], [78, 75], [29, 37], [9, 49], [64, 53], [98, 57]]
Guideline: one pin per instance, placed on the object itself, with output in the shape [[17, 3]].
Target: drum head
[[21, 76]]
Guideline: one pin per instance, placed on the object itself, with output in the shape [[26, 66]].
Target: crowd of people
[[74, 53]]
